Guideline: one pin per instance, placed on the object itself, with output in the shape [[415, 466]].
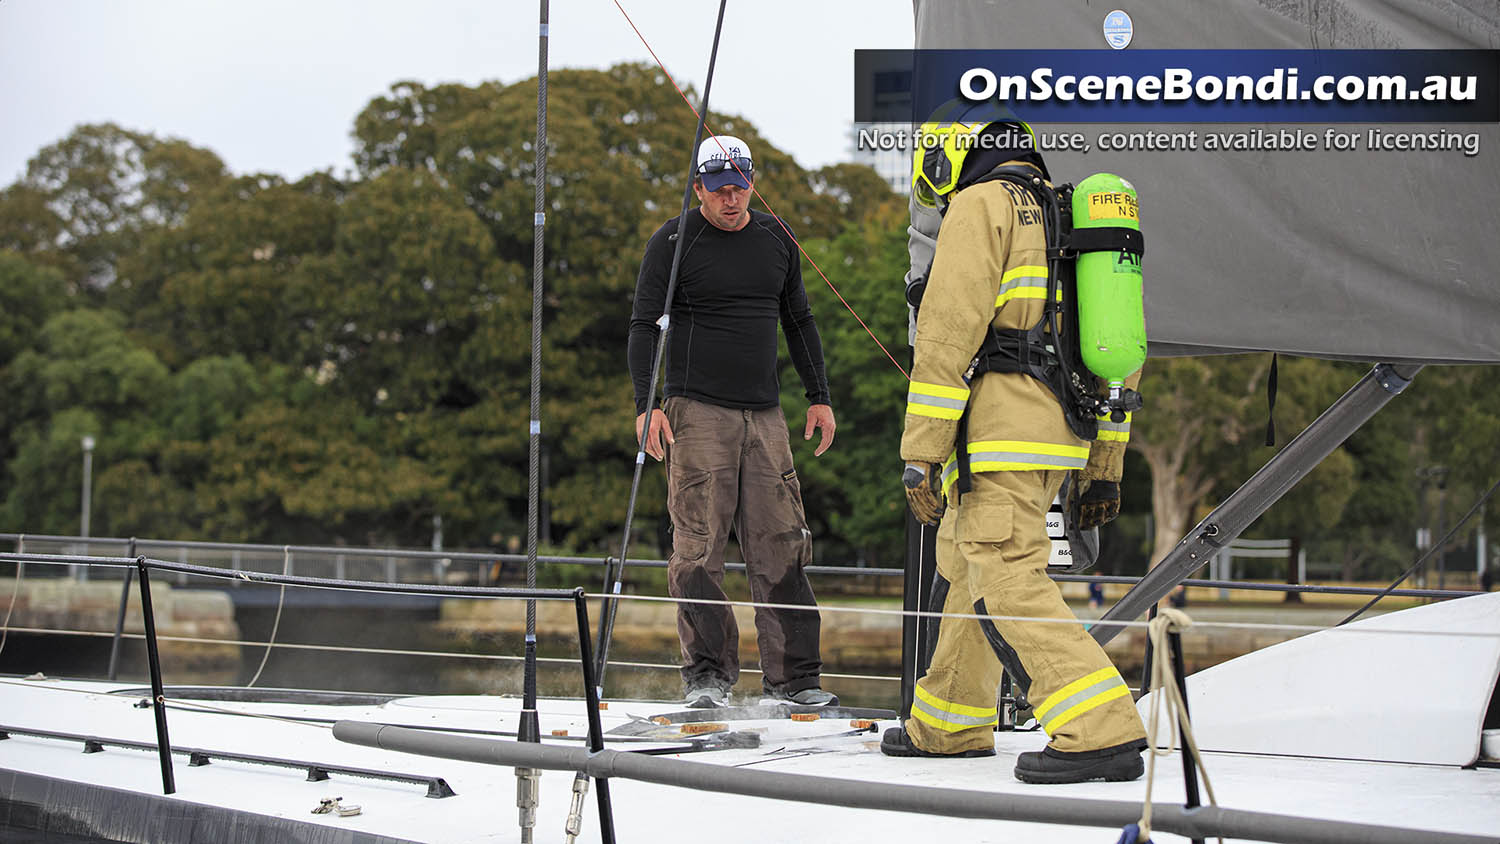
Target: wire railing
[[405, 565], [340, 562], [144, 568]]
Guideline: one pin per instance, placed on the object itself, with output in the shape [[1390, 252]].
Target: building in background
[[885, 147]]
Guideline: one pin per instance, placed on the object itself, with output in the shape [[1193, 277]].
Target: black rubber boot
[[895, 742], [1121, 763]]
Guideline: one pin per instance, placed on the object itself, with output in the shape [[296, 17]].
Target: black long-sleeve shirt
[[732, 289]]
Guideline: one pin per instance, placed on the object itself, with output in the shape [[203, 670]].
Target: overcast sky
[[274, 85]]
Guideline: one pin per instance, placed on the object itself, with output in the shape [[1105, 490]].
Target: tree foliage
[[340, 359]]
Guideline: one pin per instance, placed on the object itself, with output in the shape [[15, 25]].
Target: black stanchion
[[1179, 673], [1146, 662], [158, 695], [114, 645], [596, 727], [918, 635]]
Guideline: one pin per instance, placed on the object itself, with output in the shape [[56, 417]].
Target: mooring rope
[[286, 570], [15, 592], [1165, 696]]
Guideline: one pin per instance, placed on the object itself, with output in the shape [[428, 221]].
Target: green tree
[[83, 377], [853, 493], [242, 272], [1194, 408], [47, 472], [30, 295], [105, 186], [617, 150]]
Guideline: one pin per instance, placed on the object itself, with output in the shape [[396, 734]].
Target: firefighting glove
[[924, 492], [1094, 503]]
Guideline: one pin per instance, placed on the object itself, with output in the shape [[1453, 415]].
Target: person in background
[[1096, 595], [722, 432]]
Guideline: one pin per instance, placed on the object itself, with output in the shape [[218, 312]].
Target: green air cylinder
[[1111, 311]]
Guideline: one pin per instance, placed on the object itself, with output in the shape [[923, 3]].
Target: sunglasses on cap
[[719, 165]]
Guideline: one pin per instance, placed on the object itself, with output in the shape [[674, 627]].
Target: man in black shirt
[[722, 432]]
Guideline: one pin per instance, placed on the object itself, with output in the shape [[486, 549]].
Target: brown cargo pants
[[726, 468]]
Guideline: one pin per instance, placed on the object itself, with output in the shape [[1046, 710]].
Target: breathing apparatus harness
[[1049, 350]]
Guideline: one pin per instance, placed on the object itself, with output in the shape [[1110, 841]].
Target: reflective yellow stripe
[[1030, 271], [1024, 465], [919, 409], [958, 708], [1017, 456], [1110, 431], [1026, 282], [939, 390], [950, 717], [1073, 688], [936, 400], [1092, 703], [1080, 696]]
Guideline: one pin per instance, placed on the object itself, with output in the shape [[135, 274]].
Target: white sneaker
[[806, 697], [707, 697]]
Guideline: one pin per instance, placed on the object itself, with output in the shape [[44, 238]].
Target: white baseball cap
[[724, 160]]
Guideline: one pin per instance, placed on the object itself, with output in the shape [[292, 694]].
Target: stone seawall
[[870, 642], [90, 608]]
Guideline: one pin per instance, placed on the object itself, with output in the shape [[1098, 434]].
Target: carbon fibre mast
[[615, 571], [528, 729]]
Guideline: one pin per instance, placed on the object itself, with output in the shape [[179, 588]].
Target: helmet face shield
[[941, 149], [938, 159]]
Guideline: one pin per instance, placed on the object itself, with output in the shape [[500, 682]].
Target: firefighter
[[989, 277]]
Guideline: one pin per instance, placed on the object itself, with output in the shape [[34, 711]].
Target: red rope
[[758, 195]]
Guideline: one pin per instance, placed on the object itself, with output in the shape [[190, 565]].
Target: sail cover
[[1362, 255]]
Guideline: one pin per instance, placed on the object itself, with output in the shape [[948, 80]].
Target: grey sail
[[1365, 255]]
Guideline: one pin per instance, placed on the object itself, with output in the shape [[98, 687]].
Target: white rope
[[175, 704], [286, 568], [198, 640], [217, 710], [14, 592], [1165, 696], [1086, 622]]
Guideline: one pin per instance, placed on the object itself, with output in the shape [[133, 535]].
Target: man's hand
[[820, 416], [659, 428], [1096, 503], [924, 492]]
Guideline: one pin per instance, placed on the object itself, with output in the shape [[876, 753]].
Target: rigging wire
[[1442, 543], [756, 191], [299, 646]]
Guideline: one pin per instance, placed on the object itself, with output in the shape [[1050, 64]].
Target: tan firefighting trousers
[[992, 548]]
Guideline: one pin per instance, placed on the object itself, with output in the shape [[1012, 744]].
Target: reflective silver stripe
[[1056, 460], [1106, 425], [1039, 282], [914, 397]]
